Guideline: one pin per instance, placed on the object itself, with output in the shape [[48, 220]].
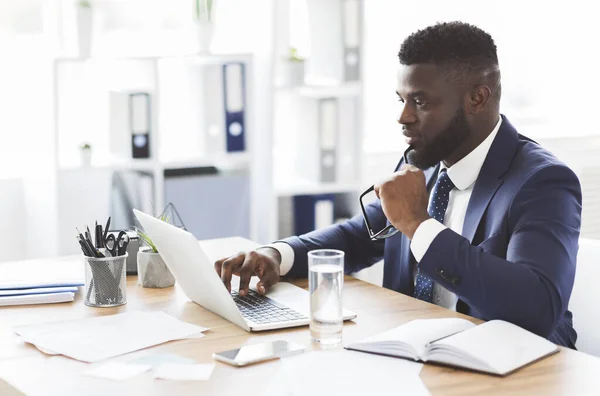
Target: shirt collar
[[464, 173]]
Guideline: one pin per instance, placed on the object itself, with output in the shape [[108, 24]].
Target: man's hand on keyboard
[[263, 263]]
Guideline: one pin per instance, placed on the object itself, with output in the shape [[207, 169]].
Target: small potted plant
[[204, 17], [152, 270], [85, 152], [294, 69], [85, 19]]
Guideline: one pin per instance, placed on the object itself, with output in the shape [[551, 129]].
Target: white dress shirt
[[463, 174]]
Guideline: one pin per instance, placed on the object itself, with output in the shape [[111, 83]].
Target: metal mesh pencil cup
[[105, 281]]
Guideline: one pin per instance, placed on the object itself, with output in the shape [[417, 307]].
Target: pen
[[106, 229], [84, 248], [88, 234], [99, 240], [90, 246]]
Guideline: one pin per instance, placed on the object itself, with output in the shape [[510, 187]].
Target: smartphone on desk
[[250, 354]]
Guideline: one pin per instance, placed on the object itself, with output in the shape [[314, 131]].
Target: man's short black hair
[[459, 47]]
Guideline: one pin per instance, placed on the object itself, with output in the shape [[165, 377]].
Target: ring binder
[[130, 125], [351, 26], [223, 107], [328, 134], [234, 81]]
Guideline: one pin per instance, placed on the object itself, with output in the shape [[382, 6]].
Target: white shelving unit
[[91, 78], [345, 90], [304, 187], [273, 169], [296, 119]]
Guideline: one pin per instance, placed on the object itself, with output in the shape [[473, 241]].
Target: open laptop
[[284, 306]]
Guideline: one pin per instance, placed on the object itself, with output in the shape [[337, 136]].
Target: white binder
[[327, 142], [349, 141], [212, 112], [324, 214], [130, 124], [352, 28], [335, 31], [328, 137]]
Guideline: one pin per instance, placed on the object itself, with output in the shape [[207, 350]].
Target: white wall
[[83, 198], [583, 303], [13, 227]]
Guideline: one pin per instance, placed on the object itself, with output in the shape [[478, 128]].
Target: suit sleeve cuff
[[287, 256], [424, 236]]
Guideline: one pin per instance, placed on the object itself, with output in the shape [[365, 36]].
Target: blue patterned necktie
[[437, 209]]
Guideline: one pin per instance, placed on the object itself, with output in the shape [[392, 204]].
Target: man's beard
[[443, 145]]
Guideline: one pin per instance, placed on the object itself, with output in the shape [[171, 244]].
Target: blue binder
[[305, 212], [234, 97]]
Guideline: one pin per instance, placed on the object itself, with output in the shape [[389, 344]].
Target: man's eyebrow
[[414, 94]]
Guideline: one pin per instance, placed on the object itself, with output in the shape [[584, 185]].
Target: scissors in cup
[[389, 230], [117, 246]]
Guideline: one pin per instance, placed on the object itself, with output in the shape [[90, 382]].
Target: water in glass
[[326, 282]]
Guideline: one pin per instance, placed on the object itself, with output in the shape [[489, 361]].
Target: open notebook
[[495, 347]]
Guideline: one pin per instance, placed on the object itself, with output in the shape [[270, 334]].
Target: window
[[24, 78], [546, 53]]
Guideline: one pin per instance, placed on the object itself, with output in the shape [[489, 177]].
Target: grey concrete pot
[[152, 270]]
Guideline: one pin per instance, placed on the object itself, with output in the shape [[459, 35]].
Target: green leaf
[[146, 240], [204, 10]]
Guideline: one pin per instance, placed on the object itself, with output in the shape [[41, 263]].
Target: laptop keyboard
[[261, 309]]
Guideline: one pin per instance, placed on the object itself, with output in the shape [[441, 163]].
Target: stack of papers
[[98, 338], [40, 281]]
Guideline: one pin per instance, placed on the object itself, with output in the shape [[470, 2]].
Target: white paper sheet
[[346, 372], [118, 371], [158, 359], [99, 338], [184, 372]]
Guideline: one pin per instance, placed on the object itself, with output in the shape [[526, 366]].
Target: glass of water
[[325, 282]]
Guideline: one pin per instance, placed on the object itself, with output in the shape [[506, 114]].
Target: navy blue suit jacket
[[515, 259]]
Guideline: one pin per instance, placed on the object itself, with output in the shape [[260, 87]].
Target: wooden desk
[[378, 309]]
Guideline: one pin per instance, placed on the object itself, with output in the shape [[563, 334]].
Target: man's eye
[[421, 103]]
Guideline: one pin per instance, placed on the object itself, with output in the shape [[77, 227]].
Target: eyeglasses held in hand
[[389, 230]]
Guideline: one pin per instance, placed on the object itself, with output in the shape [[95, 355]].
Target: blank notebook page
[[502, 345], [420, 332]]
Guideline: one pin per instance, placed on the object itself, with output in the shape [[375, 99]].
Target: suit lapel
[[431, 176], [481, 197], [490, 177]]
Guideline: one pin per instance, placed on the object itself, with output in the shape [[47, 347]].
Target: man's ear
[[479, 98]]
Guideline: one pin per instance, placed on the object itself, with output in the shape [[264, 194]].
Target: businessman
[[489, 221]]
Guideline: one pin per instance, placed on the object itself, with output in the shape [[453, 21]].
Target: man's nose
[[407, 115]]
